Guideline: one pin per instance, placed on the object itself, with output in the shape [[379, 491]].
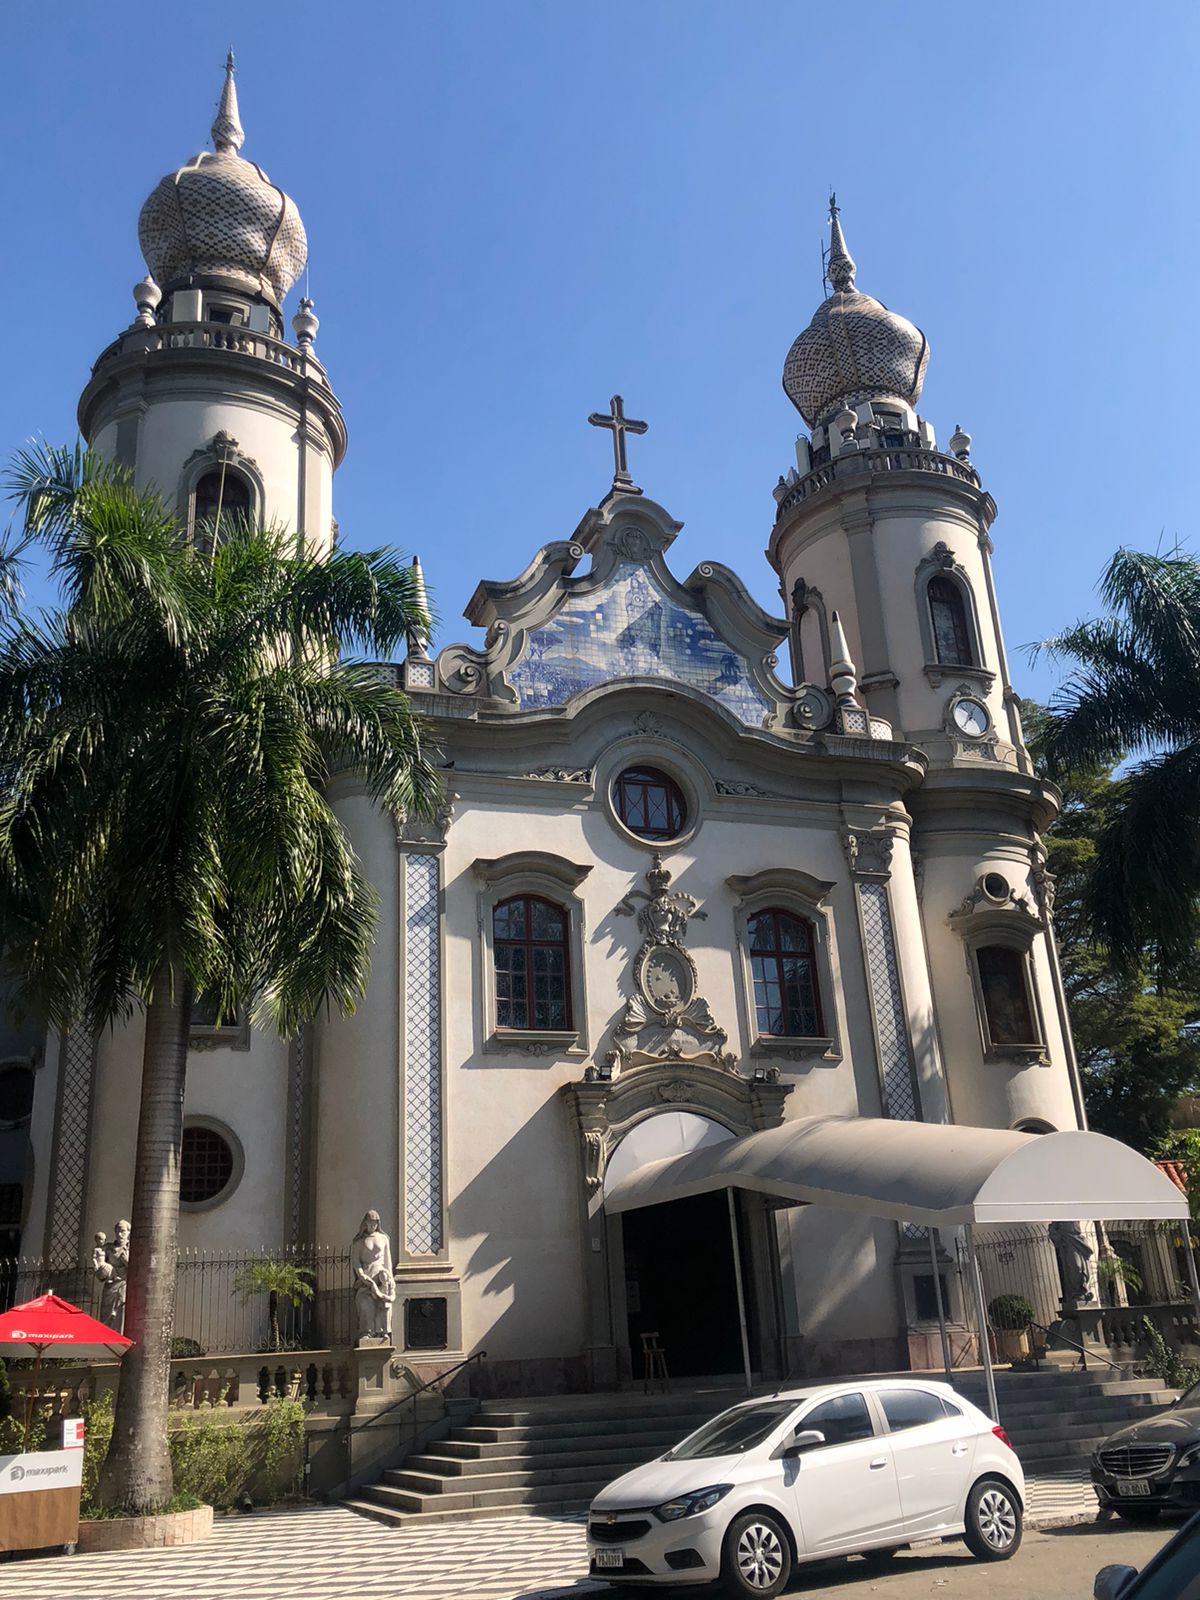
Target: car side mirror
[[1112, 1582], [806, 1439]]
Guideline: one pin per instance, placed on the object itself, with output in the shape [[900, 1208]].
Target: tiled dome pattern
[[854, 349], [220, 216]]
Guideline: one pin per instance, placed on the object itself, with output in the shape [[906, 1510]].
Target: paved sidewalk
[[327, 1553]]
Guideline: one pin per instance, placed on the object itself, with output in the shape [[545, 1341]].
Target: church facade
[[699, 870]]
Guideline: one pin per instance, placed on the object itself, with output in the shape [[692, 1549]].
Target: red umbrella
[[49, 1323]]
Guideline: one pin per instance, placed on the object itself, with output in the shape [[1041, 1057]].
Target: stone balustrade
[[214, 336], [857, 463]]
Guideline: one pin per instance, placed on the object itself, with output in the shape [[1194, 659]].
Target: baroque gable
[[556, 632]]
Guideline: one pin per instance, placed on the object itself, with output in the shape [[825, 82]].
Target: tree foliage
[[1133, 691], [1135, 1027]]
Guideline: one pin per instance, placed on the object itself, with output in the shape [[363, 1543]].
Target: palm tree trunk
[[136, 1476], [273, 1317]]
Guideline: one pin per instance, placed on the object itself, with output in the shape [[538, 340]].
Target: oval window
[[650, 803]]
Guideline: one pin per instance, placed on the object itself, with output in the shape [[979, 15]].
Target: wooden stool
[[655, 1363]]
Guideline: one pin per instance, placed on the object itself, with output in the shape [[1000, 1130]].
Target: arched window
[[533, 980], [1004, 985], [787, 1000], [948, 620], [220, 494], [649, 803]]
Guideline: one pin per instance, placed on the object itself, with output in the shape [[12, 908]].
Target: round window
[[206, 1165], [995, 886], [16, 1094], [649, 803]]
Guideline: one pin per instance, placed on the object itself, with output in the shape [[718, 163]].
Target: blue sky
[[516, 209]]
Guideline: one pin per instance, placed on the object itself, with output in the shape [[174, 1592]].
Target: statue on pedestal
[[1074, 1262], [110, 1267], [374, 1281]]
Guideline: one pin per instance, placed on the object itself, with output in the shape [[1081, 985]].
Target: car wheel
[[1138, 1514], [994, 1520], [756, 1559]]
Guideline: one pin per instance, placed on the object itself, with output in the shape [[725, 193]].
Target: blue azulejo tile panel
[[633, 629]]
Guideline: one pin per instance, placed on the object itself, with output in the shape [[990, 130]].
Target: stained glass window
[[1002, 977], [786, 998], [649, 803], [951, 637], [529, 939]]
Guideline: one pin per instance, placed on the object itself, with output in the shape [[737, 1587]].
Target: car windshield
[[1190, 1399], [734, 1431], [1174, 1574]]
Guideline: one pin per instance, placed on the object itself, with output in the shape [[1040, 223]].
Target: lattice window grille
[[422, 1058]]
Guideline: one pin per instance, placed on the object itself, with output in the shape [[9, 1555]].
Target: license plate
[[1133, 1488], [610, 1558]]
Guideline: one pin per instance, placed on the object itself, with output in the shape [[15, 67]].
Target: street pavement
[[328, 1553]]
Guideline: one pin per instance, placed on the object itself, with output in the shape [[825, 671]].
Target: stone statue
[[1074, 1261], [374, 1281], [110, 1266]]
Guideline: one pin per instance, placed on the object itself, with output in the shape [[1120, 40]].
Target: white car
[[829, 1470]]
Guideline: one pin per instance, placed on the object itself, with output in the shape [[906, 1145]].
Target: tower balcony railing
[[214, 336], [858, 463]]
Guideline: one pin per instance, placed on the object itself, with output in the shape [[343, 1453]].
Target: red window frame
[[768, 966], [505, 947], [638, 791]]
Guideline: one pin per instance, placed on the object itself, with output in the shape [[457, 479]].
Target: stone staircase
[[539, 1456], [552, 1455]]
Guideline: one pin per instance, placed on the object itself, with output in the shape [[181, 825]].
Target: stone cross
[[619, 425]]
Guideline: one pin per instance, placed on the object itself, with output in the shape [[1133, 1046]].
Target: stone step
[[582, 1491], [514, 1413], [399, 1520], [458, 1467], [466, 1449], [478, 1433], [426, 1483]]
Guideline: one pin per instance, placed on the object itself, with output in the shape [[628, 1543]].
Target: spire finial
[[839, 268], [227, 131]]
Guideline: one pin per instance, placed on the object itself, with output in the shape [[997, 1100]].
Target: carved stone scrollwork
[[869, 852], [426, 830], [666, 1019], [560, 774], [595, 1158]]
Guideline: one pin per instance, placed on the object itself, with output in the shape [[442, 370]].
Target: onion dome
[[854, 348], [219, 219]]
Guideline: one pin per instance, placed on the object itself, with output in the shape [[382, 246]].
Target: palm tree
[[277, 1280], [165, 739], [1135, 690]]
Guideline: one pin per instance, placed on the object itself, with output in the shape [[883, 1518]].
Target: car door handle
[[959, 1449], [879, 1461]]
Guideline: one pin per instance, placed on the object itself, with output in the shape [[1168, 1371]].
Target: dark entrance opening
[[679, 1283]]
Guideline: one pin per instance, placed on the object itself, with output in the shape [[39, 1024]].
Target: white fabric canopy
[[938, 1174]]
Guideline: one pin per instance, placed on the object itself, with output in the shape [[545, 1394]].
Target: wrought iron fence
[[1133, 1270], [216, 1313]]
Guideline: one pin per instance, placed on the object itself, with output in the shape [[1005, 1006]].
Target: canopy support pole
[[741, 1293], [1191, 1261], [937, 1289], [985, 1348], [29, 1394]]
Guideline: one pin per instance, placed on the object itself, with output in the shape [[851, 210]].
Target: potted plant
[[1010, 1316]]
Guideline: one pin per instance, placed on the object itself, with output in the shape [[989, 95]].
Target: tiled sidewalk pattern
[[326, 1553]]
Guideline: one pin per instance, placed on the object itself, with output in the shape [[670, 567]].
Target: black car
[[1173, 1574], [1152, 1465]]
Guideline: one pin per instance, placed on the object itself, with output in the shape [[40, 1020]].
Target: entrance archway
[[678, 1272]]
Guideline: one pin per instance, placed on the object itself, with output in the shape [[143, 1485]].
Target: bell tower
[[882, 541], [204, 396]]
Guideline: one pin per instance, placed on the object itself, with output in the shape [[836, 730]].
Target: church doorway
[[680, 1284]]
